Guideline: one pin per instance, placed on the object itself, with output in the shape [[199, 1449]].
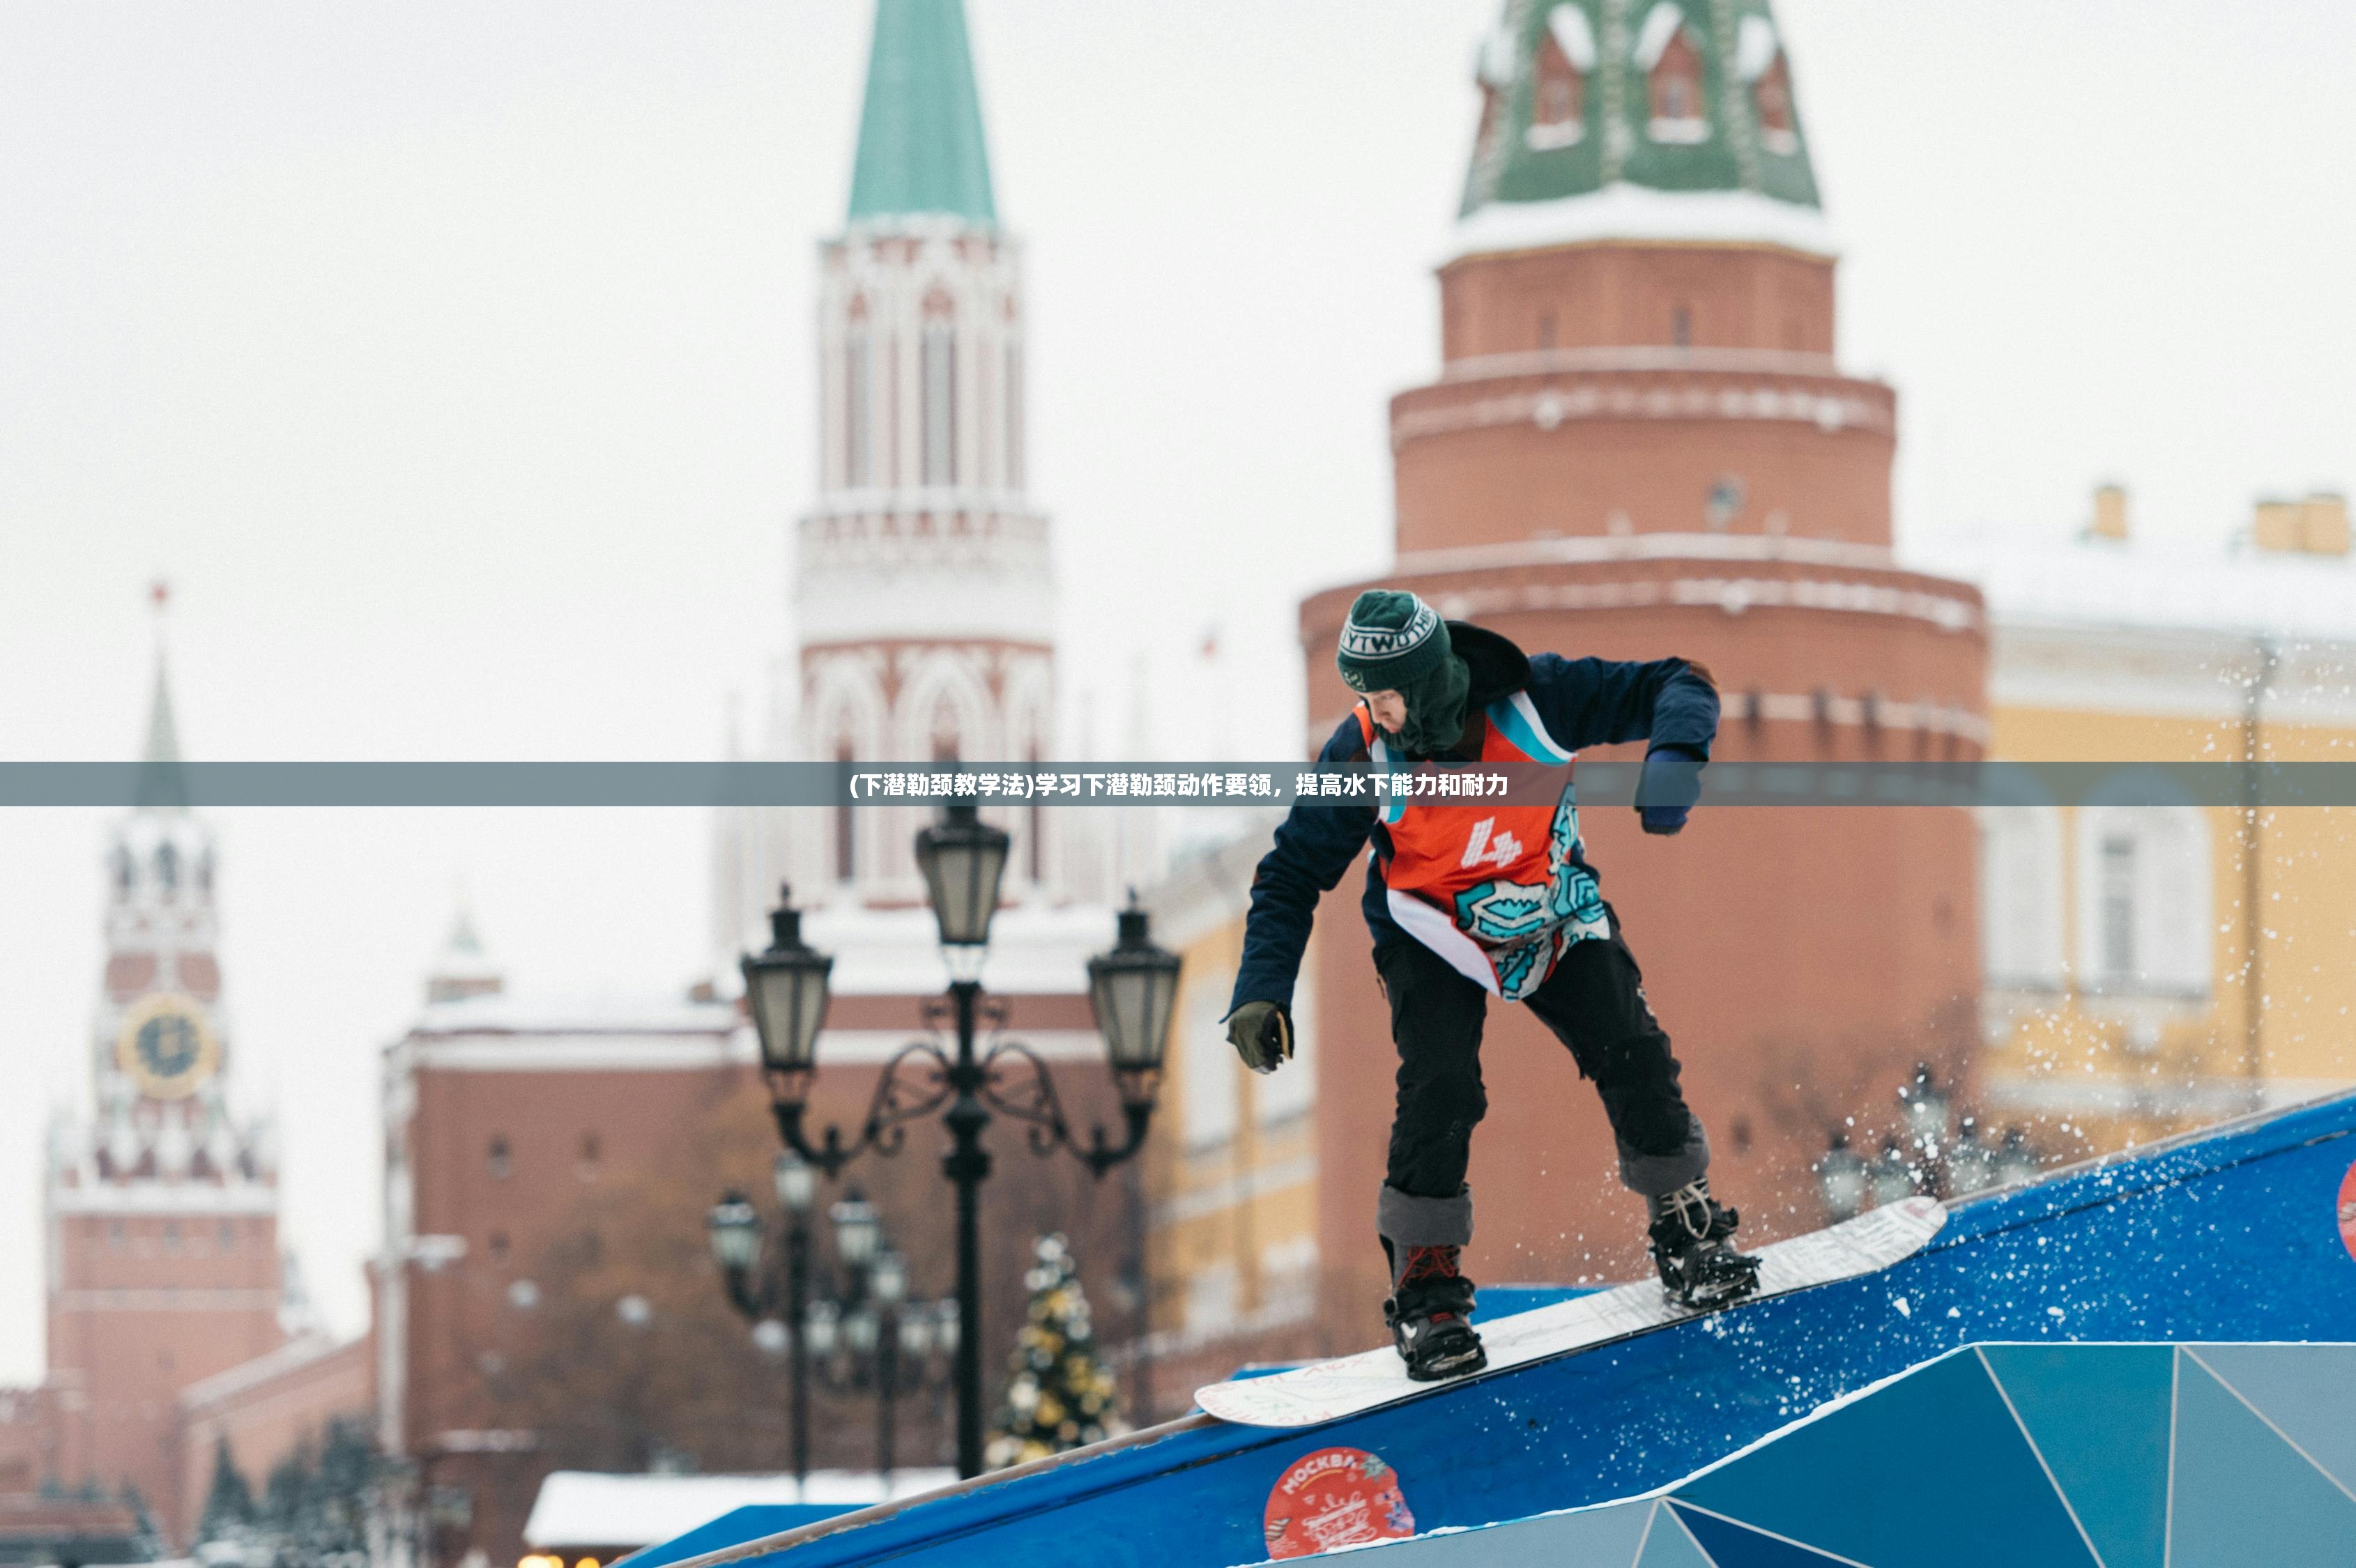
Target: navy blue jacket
[[1584, 702]]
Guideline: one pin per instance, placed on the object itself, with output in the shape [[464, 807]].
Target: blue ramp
[[751, 1522], [2068, 1455], [2227, 1237]]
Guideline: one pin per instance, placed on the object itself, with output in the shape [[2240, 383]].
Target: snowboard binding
[[1698, 1265], [1429, 1313]]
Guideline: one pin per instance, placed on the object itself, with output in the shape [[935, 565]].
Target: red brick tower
[[1640, 444], [163, 1208]]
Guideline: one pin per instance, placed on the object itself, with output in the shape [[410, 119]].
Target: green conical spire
[[1576, 90], [163, 785], [920, 143]]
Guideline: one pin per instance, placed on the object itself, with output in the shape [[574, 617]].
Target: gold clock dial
[[167, 1046]]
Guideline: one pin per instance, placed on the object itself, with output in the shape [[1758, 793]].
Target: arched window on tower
[[120, 865], [1014, 476], [167, 868], [1558, 96], [846, 842], [858, 401], [940, 401], [944, 731], [1770, 97], [1758, 63], [1673, 77]]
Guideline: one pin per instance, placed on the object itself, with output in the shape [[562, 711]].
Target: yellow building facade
[[1232, 1218], [2154, 960]]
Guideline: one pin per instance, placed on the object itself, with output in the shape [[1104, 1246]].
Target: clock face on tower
[[167, 1046]]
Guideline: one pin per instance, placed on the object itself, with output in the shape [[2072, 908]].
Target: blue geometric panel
[[1603, 1538], [1668, 1545], [1731, 1545], [2244, 1499], [2309, 1390], [1933, 1474], [2099, 1415]]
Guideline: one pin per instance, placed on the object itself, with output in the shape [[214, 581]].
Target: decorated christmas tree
[[1058, 1395]]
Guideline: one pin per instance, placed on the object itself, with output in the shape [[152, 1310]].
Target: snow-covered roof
[[1661, 25], [1627, 211], [2150, 584], [1494, 58], [1034, 949], [303, 1351], [618, 1013], [1573, 35], [584, 1508], [496, 1032], [1755, 47]]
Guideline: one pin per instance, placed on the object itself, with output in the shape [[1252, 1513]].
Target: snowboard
[[1328, 1390]]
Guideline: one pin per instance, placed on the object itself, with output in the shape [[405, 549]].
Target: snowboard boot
[[1429, 1312], [1699, 1268]]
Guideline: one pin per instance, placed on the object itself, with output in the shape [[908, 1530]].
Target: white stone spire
[[923, 595], [923, 585]]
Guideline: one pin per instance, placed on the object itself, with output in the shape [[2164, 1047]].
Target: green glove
[[1261, 1033]]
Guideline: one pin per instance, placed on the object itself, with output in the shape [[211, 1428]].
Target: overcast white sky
[[453, 362]]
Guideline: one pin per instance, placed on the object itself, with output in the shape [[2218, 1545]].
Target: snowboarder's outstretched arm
[[1671, 703], [1315, 844], [1603, 702]]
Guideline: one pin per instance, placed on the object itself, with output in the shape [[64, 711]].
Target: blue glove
[[1668, 789]]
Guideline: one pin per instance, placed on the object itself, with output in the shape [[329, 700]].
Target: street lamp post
[[1971, 1167], [1841, 1178], [2015, 1162], [735, 1229], [1131, 988], [963, 857], [797, 1186], [887, 1282], [862, 1334], [875, 1337], [1930, 1122], [1892, 1178]]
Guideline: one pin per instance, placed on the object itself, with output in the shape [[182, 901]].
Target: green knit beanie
[[1396, 642], [1391, 642]]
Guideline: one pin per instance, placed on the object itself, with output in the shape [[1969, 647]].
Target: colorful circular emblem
[[2347, 1210], [1334, 1497]]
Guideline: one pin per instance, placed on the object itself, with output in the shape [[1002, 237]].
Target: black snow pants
[[1594, 1002]]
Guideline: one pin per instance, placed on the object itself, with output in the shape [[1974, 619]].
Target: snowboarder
[[1467, 901]]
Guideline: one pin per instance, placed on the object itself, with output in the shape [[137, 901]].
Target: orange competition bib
[[1498, 890]]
